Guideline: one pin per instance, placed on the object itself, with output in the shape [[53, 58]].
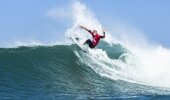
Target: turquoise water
[[55, 72]]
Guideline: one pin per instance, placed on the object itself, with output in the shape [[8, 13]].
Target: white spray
[[146, 65]]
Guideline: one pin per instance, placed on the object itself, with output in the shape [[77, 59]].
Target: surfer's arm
[[103, 35], [86, 29]]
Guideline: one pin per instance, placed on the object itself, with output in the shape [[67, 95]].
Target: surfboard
[[79, 41]]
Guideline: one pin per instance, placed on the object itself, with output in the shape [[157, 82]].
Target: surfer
[[95, 35]]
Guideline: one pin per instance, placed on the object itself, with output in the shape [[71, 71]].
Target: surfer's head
[[94, 32]]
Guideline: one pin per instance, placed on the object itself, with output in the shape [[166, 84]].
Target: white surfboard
[[79, 41]]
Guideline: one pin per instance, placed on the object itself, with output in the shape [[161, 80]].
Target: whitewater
[[143, 63], [123, 65]]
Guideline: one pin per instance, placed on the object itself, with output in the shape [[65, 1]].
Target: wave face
[[132, 69], [65, 71]]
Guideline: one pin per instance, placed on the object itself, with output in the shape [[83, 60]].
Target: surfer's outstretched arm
[[87, 30], [84, 28], [103, 35]]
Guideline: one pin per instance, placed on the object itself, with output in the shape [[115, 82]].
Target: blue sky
[[27, 19]]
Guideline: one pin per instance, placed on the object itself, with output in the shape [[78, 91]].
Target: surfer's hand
[[81, 26], [104, 32]]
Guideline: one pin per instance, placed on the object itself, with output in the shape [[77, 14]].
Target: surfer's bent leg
[[89, 42]]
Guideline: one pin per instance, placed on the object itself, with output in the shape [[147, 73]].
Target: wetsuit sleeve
[[90, 32]]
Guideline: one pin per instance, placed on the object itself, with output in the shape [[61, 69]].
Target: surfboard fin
[[77, 38]]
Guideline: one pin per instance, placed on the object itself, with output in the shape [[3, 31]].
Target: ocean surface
[[67, 72]]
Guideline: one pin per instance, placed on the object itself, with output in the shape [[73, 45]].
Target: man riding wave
[[95, 35]]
